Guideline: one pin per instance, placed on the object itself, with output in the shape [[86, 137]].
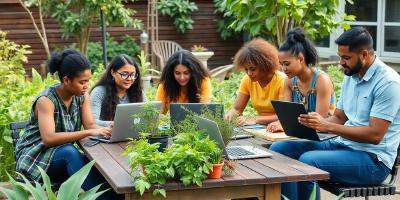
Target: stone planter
[[146, 82], [203, 56]]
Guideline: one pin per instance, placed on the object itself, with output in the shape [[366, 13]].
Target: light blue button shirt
[[375, 95]]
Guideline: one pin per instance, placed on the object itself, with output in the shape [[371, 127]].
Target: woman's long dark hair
[[135, 92], [197, 73]]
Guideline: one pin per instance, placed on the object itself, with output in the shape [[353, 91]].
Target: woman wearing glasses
[[121, 83], [183, 80]]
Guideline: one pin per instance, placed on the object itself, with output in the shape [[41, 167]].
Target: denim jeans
[[344, 165], [67, 160]]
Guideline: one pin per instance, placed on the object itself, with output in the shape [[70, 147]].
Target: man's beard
[[357, 68]]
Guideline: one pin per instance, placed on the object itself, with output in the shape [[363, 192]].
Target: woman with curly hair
[[121, 83], [262, 83], [183, 80]]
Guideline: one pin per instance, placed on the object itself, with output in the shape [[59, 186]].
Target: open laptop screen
[[179, 111]]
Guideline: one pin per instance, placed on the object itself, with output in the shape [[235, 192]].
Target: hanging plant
[[180, 10]]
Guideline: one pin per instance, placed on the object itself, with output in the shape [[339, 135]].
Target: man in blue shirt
[[366, 120]]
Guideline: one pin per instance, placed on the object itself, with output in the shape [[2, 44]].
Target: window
[[391, 28], [381, 18]]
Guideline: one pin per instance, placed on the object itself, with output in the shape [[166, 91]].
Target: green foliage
[[191, 156], [198, 48], [336, 74], [151, 93], [180, 10], [149, 122], [272, 19], [144, 65], [77, 16], [12, 56], [223, 23], [16, 96], [95, 51], [225, 127], [190, 159], [70, 189]]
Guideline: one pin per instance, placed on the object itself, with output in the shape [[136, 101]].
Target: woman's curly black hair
[[135, 92], [197, 73]]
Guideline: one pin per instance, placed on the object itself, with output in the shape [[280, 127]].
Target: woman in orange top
[[263, 82], [183, 80]]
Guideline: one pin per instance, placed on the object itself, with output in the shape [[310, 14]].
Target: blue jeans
[[344, 165], [67, 160]]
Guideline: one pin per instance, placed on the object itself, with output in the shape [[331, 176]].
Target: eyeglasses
[[126, 75]]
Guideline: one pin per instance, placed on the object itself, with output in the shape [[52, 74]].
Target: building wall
[[17, 23]]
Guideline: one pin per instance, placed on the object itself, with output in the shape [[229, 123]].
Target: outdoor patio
[[150, 31]]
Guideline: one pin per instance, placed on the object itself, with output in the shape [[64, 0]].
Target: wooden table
[[254, 177]]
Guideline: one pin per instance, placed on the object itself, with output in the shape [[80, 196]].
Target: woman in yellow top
[[183, 80], [263, 82]]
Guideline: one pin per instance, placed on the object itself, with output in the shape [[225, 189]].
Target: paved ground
[[328, 196]]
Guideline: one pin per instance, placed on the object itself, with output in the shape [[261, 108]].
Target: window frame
[[380, 24]]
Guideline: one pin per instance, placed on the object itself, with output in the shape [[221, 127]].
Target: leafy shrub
[[180, 10], [336, 74], [70, 189]]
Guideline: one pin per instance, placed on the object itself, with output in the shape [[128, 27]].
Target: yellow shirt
[[261, 97], [205, 94]]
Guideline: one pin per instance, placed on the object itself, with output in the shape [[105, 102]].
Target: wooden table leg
[[272, 192]]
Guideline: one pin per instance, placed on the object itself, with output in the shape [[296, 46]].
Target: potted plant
[[146, 70], [149, 124], [188, 160], [201, 53], [216, 160]]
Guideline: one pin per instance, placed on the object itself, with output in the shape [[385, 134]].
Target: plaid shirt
[[30, 150]]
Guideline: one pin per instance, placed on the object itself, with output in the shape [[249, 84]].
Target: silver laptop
[[124, 127], [232, 152]]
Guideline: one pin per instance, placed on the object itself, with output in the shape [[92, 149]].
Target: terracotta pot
[[216, 171]]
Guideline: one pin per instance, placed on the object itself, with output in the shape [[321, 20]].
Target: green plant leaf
[[170, 171], [313, 194], [37, 193], [47, 184], [141, 186], [284, 197], [10, 194], [161, 192], [92, 194], [71, 188]]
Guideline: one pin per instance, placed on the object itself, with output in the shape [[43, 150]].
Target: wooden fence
[[17, 23]]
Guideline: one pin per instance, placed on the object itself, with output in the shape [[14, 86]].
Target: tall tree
[[76, 17], [272, 19]]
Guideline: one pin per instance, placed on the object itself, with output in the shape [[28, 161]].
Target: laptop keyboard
[[237, 151]]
